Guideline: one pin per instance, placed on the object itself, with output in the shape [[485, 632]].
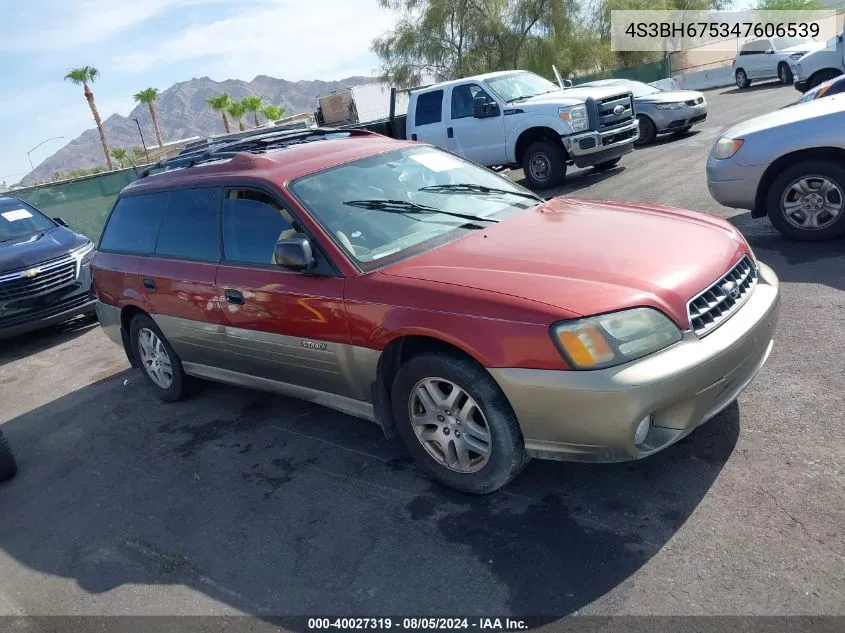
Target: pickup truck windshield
[[521, 85], [383, 205], [19, 220]]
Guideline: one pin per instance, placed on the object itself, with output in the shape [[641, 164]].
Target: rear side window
[[429, 108], [133, 225], [252, 224], [189, 229]]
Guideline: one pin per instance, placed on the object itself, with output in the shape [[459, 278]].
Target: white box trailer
[[371, 102]]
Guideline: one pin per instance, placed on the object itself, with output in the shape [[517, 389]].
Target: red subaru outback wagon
[[401, 284]]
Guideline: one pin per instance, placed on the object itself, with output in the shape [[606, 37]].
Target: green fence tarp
[[645, 73], [84, 203]]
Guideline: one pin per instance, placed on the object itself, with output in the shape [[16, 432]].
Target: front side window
[[639, 89], [463, 97], [383, 205], [521, 85], [18, 220], [429, 108], [134, 222], [252, 224]]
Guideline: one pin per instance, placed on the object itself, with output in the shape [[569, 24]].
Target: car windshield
[[18, 219], [382, 205], [521, 85], [781, 43]]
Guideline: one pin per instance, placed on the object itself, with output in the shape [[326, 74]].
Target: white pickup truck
[[820, 65], [517, 118]]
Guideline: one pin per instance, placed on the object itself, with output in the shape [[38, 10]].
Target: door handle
[[150, 283], [450, 132], [234, 297]]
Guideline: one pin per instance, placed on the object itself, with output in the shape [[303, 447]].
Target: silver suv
[[789, 165]]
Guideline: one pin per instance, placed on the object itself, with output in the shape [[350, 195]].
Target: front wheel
[[785, 74], [544, 164], [807, 201], [457, 423], [648, 130], [8, 465], [606, 165]]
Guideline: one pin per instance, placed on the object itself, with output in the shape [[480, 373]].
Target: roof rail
[[255, 144]]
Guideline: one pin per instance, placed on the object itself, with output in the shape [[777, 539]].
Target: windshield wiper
[[473, 188], [406, 206]]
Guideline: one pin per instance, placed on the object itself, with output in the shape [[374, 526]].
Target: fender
[[523, 122]]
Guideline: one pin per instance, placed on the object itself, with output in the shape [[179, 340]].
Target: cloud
[[294, 40]]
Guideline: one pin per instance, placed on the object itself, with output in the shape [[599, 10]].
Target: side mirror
[[295, 254], [770, 51], [567, 83], [60, 222], [484, 109]]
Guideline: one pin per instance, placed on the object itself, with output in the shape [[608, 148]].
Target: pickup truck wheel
[[807, 201], [8, 466], [457, 423], [544, 164], [742, 80], [159, 362], [785, 74], [648, 130]]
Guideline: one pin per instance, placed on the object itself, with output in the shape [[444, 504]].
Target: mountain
[[182, 113]]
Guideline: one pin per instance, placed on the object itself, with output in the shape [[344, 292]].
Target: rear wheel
[[457, 423], [8, 466], [608, 164], [648, 131], [807, 201], [544, 164], [742, 80], [158, 360], [785, 74]]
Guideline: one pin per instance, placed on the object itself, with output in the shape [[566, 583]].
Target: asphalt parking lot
[[242, 502]]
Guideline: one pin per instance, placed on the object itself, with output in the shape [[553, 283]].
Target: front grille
[[720, 301], [698, 118], [46, 312], [37, 280], [619, 136], [607, 119]]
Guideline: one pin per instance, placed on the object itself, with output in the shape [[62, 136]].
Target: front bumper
[[733, 185], [801, 85], [591, 148], [670, 120], [592, 415]]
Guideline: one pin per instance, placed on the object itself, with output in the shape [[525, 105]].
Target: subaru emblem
[[731, 289], [619, 109]]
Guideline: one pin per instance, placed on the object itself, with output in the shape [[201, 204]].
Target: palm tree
[[252, 103], [148, 96], [237, 110], [220, 103], [120, 155], [83, 77], [273, 112]]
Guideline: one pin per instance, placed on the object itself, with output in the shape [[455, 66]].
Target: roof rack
[[254, 144]]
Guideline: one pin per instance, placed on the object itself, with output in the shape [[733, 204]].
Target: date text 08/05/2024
[[415, 624]]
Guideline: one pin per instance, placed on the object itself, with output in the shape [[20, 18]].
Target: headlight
[[670, 106], [616, 338], [727, 147], [798, 55], [576, 116], [83, 255]]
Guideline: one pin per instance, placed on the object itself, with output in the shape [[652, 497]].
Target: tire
[[606, 165], [786, 188], [742, 80], [544, 164], [821, 77], [648, 130], [169, 391], [8, 465], [785, 74], [479, 473]]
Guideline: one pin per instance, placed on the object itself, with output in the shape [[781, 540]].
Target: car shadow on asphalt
[[756, 87], [30, 343], [575, 181], [666, 139], [280, 507], [793, 261]]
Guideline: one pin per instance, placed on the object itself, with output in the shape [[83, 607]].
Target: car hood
[[669, 96], [799, 113], [29, 251], [572, 95], [806, 46], [589, 257]]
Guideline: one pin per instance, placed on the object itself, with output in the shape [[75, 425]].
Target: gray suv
[[789, 165]]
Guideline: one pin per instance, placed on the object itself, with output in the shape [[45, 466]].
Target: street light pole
[[29, 153], [146, 153]]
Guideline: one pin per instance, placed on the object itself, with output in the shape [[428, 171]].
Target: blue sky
[[136, 44]]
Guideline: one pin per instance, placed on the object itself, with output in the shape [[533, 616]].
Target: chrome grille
[[720, 301], [607, 119], [37, 280]]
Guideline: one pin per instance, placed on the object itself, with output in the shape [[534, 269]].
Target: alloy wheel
[[154, 358], [450, 425], [812, 202]]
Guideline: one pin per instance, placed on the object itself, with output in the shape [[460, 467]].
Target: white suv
[[771, 58]]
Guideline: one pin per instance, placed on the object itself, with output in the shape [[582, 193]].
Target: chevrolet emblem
[[29, 274]]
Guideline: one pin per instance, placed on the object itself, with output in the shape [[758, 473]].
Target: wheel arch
[[534, 134], [834, 154], [822, 74], [127, 313]]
